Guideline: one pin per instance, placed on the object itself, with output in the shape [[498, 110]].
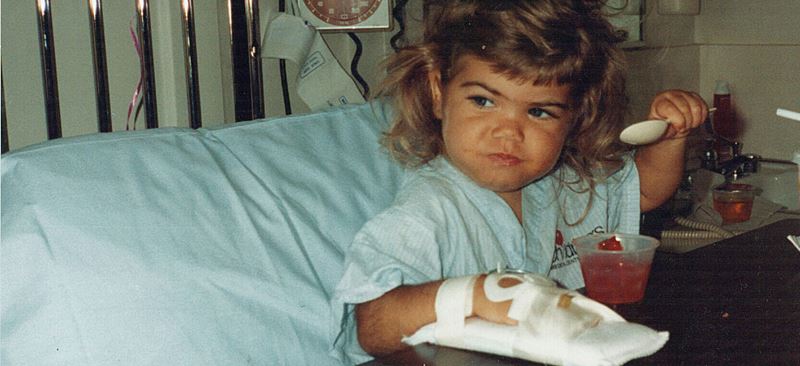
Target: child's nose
[[509, 128]]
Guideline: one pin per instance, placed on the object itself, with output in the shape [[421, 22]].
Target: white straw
[[785, 113]]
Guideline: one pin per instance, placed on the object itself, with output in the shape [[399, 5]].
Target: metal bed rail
[[244, 36]]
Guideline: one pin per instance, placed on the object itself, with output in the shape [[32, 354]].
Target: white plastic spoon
[[645, 132]]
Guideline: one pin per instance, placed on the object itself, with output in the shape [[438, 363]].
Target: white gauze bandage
[[555, 325], [453, 305], [540, 306]]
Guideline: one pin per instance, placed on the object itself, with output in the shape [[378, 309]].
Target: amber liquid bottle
[[723, 120]]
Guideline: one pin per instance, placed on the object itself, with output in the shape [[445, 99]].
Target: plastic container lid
[[734, 188], [722, 87]]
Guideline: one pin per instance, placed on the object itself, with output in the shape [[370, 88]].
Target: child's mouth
[[504, 159]]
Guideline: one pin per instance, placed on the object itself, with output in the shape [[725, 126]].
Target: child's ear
[[435, 84]]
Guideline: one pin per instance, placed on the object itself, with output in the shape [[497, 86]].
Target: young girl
[[510, 113]]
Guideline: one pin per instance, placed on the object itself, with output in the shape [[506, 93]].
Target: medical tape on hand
[[540, 306], [453, 304], [531, 289]]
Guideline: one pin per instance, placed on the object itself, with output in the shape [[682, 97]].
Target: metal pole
[[4, 126], [190, 64], [287, 101], [245, 51], [243, 108], [149, 82], [254, 52], [100, 66], [49, 76]]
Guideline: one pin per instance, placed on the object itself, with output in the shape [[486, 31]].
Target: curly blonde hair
[[565, 42]]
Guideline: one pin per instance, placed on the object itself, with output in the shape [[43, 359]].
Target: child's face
[[502, 133]]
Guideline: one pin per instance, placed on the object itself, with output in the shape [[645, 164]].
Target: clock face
[[343, 13]]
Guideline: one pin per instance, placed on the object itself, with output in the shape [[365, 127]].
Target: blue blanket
[[184, 247]]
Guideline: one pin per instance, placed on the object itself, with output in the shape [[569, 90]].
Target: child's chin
[[504, 187]]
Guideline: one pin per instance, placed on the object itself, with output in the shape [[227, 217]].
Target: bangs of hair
[[548, 44]]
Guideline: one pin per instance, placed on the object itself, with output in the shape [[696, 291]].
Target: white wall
[[754, 45]]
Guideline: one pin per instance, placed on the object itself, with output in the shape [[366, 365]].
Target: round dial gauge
[[343, 12]]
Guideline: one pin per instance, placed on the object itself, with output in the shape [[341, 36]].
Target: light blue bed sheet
[[183, 247]]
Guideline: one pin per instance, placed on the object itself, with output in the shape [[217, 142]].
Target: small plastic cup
[[734, 201], [619, 275]]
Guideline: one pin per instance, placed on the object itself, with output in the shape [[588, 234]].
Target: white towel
[[583, 333]]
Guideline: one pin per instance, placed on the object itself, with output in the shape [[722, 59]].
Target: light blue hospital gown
[[443, 225]]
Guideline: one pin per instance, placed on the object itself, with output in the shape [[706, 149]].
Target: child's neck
[[514, 200]]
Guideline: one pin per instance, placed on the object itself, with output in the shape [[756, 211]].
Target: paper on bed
[[321, 80]]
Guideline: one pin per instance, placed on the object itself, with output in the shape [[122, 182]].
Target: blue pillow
[[184, 247]]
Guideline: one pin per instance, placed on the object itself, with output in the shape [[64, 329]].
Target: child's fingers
[[666, 105], [681, 110], [676, 111], [685, 110], [698, 108]]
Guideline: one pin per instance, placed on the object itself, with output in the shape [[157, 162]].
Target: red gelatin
[[611, 243]]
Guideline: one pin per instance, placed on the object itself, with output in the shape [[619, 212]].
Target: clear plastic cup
[[734, 201], [617, 274]]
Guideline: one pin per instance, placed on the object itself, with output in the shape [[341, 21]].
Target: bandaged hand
[[533, 302], [539, 305], [493, 311], [553, 325]]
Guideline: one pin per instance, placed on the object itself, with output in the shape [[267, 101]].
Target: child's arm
[[383, 322], [661, 164]]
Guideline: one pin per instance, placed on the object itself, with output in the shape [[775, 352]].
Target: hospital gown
[[443, 225]]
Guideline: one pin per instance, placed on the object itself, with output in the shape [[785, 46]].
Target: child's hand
[[683, 109]]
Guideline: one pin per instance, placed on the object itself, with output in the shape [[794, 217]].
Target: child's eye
[[541, 113], [481, 101]]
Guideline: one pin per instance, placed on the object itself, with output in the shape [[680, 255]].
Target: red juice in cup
[[613, 279], [615, 271], [734, 211], [734, 201]]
